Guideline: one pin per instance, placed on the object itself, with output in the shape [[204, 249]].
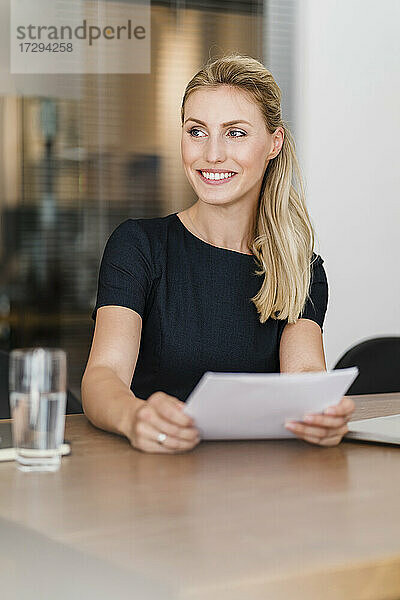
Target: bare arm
[[301, 349], [107, 399]]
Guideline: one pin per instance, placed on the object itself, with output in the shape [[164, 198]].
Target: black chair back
[[73, 404], [378, 360]]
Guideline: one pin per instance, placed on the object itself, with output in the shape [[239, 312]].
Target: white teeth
[[216, 176]]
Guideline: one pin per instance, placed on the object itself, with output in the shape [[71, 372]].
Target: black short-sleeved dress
[[194, 300]]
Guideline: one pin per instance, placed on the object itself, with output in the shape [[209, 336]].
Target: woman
[[219, 286]]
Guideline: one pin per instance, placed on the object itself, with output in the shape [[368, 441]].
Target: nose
[[214, 149]]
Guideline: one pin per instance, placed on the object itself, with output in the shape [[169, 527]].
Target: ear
[[278, 137]]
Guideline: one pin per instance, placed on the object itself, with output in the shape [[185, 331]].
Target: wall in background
[[348, 127], [80, 154]]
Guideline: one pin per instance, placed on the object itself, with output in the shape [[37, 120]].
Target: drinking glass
[[37, 380]]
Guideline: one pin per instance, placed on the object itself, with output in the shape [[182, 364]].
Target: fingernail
[[308, 419], [290, 425], [330, 411]]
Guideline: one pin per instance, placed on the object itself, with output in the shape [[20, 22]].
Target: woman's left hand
[[327, 428]]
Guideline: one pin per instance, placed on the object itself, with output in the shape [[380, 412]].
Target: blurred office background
[[80, 154]]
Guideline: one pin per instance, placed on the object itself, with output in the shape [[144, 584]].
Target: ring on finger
[[161, 438]]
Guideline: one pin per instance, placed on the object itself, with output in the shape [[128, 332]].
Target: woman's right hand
[[163, 413]]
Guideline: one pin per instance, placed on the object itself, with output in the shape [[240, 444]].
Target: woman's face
[[225, 161]]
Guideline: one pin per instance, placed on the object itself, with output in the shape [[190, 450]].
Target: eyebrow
[[223, 124]]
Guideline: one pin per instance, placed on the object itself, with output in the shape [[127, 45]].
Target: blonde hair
[[283, 236]]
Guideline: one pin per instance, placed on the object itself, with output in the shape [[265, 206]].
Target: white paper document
[[257, 405]]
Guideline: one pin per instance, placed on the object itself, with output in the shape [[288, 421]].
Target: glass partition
[[72, 168]]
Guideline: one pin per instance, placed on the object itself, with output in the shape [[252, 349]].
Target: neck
[[228, 229]]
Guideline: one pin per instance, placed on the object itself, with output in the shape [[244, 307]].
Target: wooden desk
[[279, 519]]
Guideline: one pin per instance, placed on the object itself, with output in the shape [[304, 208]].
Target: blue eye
[[237, 131], [194, 129]]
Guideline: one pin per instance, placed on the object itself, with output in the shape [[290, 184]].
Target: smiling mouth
[[216, 178]]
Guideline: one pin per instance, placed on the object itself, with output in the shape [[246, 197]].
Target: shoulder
[[317, 269], [148, 234], [316, 259], [140, 229], [139, 241]]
